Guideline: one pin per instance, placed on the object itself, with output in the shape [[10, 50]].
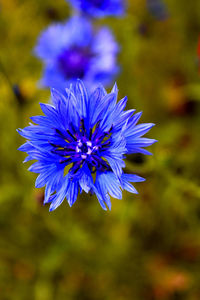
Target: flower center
[[83, 147], [74, 62]]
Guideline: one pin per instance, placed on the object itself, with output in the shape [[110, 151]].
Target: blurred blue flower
[[74, 50], [80, 144], [100, 8]]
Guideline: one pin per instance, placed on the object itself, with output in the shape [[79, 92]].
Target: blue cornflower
[[80, 144], [100, 8], [75, 50]]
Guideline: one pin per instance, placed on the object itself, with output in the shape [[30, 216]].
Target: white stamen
[[89, 144], [89, 151], [77, 149], [79, 143]]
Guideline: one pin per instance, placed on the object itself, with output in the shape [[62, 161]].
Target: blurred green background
[[148, 246]]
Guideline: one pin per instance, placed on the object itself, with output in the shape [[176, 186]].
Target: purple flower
[[80, 144], [75, 50], [100, 8]]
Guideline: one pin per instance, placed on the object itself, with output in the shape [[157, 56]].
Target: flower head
[[85, 136], [74, 50], [100, 8]]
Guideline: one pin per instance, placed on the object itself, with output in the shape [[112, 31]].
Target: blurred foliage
[[148, 246]]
